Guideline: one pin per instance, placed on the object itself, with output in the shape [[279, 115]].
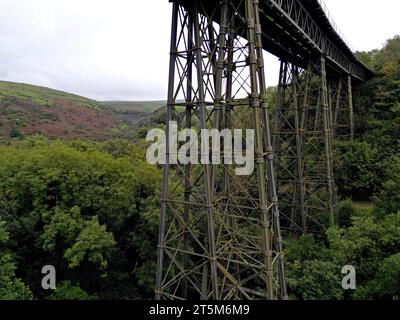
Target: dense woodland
[[91, 210]]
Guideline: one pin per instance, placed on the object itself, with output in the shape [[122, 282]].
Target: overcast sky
[[118, 49]]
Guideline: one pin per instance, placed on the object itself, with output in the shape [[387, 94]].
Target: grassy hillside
[[27, 109], [135, 106]]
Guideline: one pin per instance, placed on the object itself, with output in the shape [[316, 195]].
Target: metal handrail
[[334, 25]]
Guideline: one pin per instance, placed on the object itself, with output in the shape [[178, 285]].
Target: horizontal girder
[[297, 31]]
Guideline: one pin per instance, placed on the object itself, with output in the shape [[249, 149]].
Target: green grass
[[41, 95], [135, 106], [363, 205]]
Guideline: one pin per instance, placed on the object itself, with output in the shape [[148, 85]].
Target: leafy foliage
[[316, 280], [355, 169], [11, 287], [89, 213], [388, 199], [369, 244], [382, 61], [67, 291]]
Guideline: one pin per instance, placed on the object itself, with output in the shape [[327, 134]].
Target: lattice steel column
[[219, 232], [288, 147], [336, 98], [351, 111], [343, 119], [328, 143], [303, 147]]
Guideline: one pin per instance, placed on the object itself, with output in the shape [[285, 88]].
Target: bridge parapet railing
[[334, 25]]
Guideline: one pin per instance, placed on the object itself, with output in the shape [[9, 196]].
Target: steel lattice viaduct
[[221, 235]]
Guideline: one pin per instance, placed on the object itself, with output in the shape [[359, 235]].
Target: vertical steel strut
[[350, 93], [328, 143]]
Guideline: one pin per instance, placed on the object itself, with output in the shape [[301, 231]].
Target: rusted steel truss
[[220, 234]]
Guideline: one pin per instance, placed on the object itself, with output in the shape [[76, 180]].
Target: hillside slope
[[135, 111], [144, 107], [26, 109]]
